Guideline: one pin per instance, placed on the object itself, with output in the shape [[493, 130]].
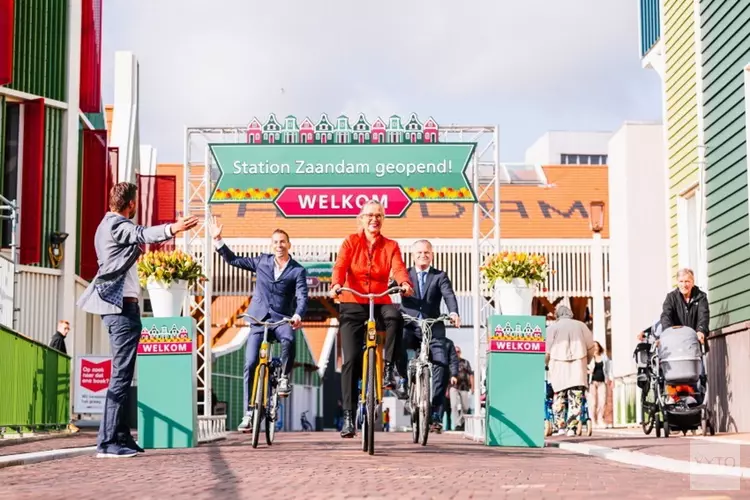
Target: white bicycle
[[420, 381]]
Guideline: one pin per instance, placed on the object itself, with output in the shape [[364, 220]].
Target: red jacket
[[357, 268]]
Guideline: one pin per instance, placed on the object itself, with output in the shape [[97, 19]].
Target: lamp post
[[596, 222]]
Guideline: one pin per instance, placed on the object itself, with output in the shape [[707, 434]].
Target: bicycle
[[420, 381], [306, 425], [371, 390], [646, 359], [264, 398]]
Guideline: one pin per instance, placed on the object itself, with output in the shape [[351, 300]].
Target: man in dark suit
[[280, 292], [432, 286]]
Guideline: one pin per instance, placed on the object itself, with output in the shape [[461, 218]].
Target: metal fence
[[34, 385]]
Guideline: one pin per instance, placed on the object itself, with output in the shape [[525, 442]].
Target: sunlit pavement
[[322, 465]]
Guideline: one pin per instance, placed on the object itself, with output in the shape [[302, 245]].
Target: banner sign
[[528, 338], [322, 170], [92, 375]]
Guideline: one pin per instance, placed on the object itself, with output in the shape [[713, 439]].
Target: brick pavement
[[321, 465]]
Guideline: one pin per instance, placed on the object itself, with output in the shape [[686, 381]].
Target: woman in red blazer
[[365, 263]]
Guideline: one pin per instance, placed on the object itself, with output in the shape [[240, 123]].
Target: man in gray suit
[[114, 294], [432, 286]]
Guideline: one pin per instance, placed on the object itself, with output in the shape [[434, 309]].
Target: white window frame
[[683, 236]]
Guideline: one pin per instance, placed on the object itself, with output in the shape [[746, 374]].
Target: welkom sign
[[321, 170]]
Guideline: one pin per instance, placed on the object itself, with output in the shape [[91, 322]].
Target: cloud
[[494, 61]]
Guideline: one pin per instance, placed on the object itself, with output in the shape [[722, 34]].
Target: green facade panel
[[725, 34], [40, 41], [52, 177]]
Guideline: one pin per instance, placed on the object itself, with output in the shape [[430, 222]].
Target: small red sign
[[165, 347], [339, 201], [95, 376]]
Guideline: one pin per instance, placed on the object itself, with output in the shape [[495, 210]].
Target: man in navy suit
[[280, 292], [432, 286]]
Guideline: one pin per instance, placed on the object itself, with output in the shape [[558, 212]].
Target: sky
[[528, 66]]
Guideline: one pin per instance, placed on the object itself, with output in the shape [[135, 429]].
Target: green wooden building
[[725, 45]]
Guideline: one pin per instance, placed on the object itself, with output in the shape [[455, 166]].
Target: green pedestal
[[515, 381], [167, 393]]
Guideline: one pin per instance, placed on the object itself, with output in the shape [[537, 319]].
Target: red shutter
[[157, 204], [7, 18], [32, 171], [165, 199], [91, 56], [94, 196]]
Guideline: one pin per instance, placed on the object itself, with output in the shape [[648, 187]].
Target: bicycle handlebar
[[428, 321], [267, 323], [371, 295]]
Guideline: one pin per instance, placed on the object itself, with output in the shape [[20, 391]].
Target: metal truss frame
[[485, 172]]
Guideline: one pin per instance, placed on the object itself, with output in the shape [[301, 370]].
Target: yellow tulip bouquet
[[168, 267], [507, 266]]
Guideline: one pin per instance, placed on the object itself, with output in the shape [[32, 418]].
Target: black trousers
[[352, 319]]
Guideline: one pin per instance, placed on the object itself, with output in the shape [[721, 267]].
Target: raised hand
[[214, 228], [184, 223]]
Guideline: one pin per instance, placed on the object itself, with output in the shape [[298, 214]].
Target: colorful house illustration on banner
[[323, 130], [271, 130], [254, 132], [378, 131], [307, 131], [291, 130], [395, 130], [343, 130], [361, 130], [430, 131], [414, 129]]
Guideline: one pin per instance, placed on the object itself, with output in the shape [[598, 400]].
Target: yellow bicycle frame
[[373, 340], [263, 361]]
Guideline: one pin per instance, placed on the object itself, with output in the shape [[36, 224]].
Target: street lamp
[[596, 222], [596, 216]]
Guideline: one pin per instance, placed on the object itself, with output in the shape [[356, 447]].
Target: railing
[[37, 300], [650, 20], [6, 292], [474, 427], [212, 428], [35, 388], [570, 259], [626, 402]]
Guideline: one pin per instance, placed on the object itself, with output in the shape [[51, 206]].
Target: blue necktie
[[421, 288]]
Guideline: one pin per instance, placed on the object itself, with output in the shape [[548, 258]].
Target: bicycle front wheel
[[272, 416], [424, 405], [258, 406], [371, 387]]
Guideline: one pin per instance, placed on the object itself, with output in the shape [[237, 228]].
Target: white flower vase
[[167, 299], [515, 298]]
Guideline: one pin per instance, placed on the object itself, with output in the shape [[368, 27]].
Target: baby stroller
[[674, 390]]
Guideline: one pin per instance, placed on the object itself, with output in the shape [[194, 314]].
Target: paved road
[[323, 466]]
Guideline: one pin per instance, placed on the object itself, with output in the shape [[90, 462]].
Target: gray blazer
[[117, 241]]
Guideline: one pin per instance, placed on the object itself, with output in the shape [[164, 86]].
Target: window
[[688, 227], [582, 159], [10, 172]]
